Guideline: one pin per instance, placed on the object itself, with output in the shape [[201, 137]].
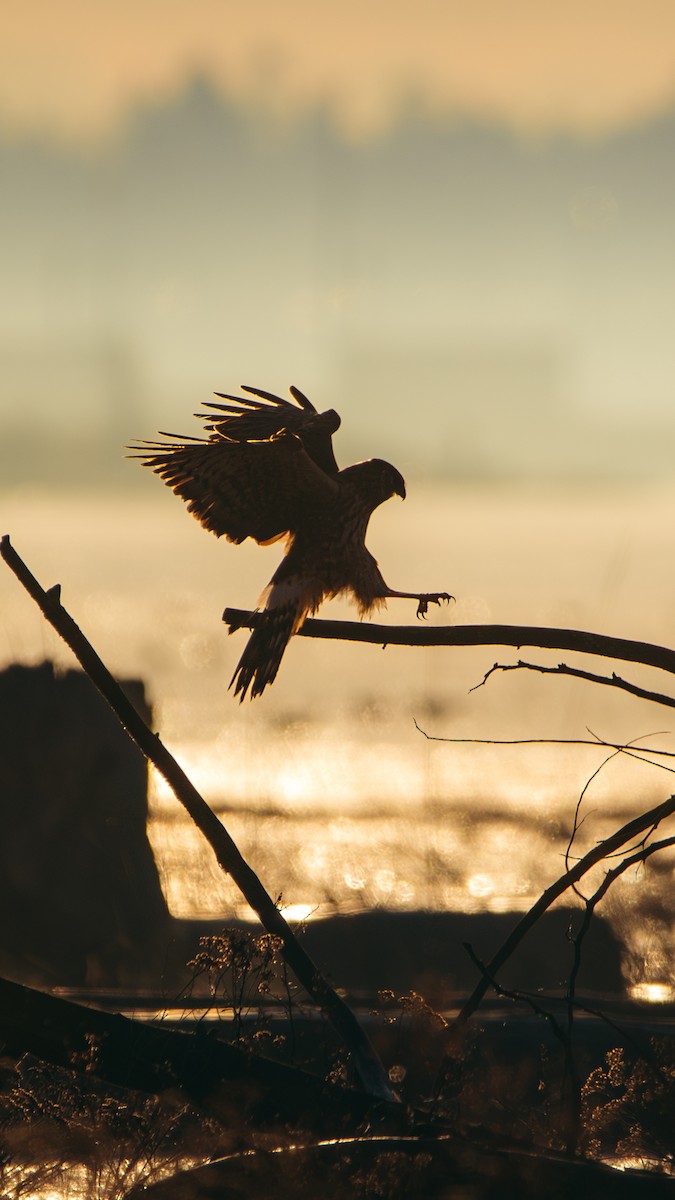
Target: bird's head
[[375, 479], [391, 479]]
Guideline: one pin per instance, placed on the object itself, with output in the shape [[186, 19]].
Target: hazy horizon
[[480, 303]]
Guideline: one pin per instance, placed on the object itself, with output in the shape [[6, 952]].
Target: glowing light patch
[[294, 785], [480, 885], [653, 993], [635, 1164], [299, 912]]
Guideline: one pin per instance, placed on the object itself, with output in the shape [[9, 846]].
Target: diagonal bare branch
[[649, 820], [368, 1065]]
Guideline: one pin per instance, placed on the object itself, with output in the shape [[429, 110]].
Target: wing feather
[[273, 399], [242, 489], [245, 419], [301, 398]]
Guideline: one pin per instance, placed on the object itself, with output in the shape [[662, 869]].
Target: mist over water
[[476, 303]]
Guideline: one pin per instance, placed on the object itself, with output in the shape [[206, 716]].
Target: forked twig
[[591, 902], [646, 821], [573, 1107], [612, 680]]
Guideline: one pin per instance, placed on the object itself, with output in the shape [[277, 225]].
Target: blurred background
[[453, 223]]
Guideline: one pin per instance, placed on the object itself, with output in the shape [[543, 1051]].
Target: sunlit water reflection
[[410, 833], [326, 785]]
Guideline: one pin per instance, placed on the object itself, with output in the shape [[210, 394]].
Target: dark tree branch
[[518, 997], [639, 856], [645, 821], [591, 903], [622, 649], [368, 1065], [612, 680]]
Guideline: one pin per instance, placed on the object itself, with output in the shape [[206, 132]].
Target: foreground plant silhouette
[[458, 1076]]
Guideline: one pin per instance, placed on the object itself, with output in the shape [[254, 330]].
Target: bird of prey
[[267, 471]]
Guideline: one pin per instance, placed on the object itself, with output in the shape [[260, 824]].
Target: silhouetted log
[[370, 1069], [216, 1077], [433, 1168], [546, 638], [77, 872], [423, 952]]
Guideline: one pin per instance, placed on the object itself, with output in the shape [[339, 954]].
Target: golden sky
[[75, 68]]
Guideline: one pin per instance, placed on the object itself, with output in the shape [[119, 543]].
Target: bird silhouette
[[267, 471]]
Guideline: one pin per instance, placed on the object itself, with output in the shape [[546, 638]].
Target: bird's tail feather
[[264, 650]]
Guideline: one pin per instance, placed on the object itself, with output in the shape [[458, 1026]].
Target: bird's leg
[[424, 598]]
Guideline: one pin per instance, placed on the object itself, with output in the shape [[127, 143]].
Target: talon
[[428, 598], [432, 598]]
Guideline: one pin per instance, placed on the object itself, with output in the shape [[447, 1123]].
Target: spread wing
[[240, 489], [261, 415]]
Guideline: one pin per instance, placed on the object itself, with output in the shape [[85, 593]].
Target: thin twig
[[591, 903], [595, 741], [563, 1036], [627, 749], [368, 1065], [511, 994], [612, 680], [576, 824]]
